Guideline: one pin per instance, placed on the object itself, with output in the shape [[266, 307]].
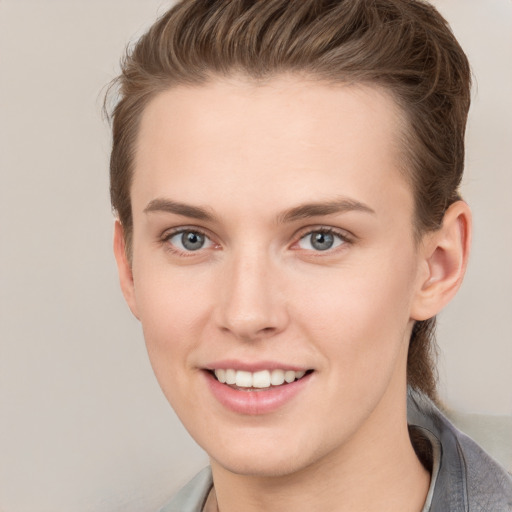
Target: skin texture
[[249, 154]]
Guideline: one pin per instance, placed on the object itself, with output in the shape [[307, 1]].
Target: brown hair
[[404, 46]]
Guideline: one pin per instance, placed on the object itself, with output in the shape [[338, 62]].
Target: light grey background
[[83, 424]]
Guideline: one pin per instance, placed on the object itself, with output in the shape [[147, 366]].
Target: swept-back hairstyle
[[403, 46]]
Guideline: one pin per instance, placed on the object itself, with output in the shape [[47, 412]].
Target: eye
[[321, 240], [189, 240]]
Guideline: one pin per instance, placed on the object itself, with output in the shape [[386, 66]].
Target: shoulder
[[191, 498], [489, 486], [468, 478]]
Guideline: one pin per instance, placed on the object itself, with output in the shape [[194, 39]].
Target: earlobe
[[445, 255], [124, 268]]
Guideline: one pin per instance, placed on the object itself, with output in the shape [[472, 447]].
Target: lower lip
[[255, 402]]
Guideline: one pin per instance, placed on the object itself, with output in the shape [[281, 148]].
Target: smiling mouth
[[257, 381]]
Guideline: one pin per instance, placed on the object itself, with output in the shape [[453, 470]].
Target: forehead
[[287, 134]]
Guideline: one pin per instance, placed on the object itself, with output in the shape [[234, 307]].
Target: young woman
[[285, 176]]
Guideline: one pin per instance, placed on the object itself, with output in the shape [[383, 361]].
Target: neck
[[376, 470]]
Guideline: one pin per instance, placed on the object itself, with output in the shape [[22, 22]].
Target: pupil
[[322, 241], [192, 241]]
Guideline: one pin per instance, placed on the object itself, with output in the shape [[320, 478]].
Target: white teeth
[[230, 376], [243, 379], [289, 376], [277, 377], [262, 379], [221, 375]]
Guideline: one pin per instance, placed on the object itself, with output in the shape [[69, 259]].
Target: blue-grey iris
[[192, 240], [322, 241]]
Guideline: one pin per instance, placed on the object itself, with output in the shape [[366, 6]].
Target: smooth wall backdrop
[[83, 424]]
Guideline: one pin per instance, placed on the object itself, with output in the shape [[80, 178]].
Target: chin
[[263, 458], [261, 467]]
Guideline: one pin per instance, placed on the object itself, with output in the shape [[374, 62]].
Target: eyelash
[[343, 236]]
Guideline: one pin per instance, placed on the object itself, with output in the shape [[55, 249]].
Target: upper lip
[[253, 366]]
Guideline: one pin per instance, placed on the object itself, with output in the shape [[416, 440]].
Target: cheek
[[173, 310], [359, 317], [171, 337]]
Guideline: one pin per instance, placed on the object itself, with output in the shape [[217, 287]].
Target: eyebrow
[[308, 210], [302, 211], [169, 206]]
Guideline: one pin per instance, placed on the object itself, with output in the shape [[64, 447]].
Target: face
[[274, 267]]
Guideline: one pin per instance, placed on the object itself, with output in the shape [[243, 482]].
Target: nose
[[251, 303]]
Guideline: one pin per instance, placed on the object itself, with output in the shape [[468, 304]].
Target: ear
[[444, 256], [124, 268]]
